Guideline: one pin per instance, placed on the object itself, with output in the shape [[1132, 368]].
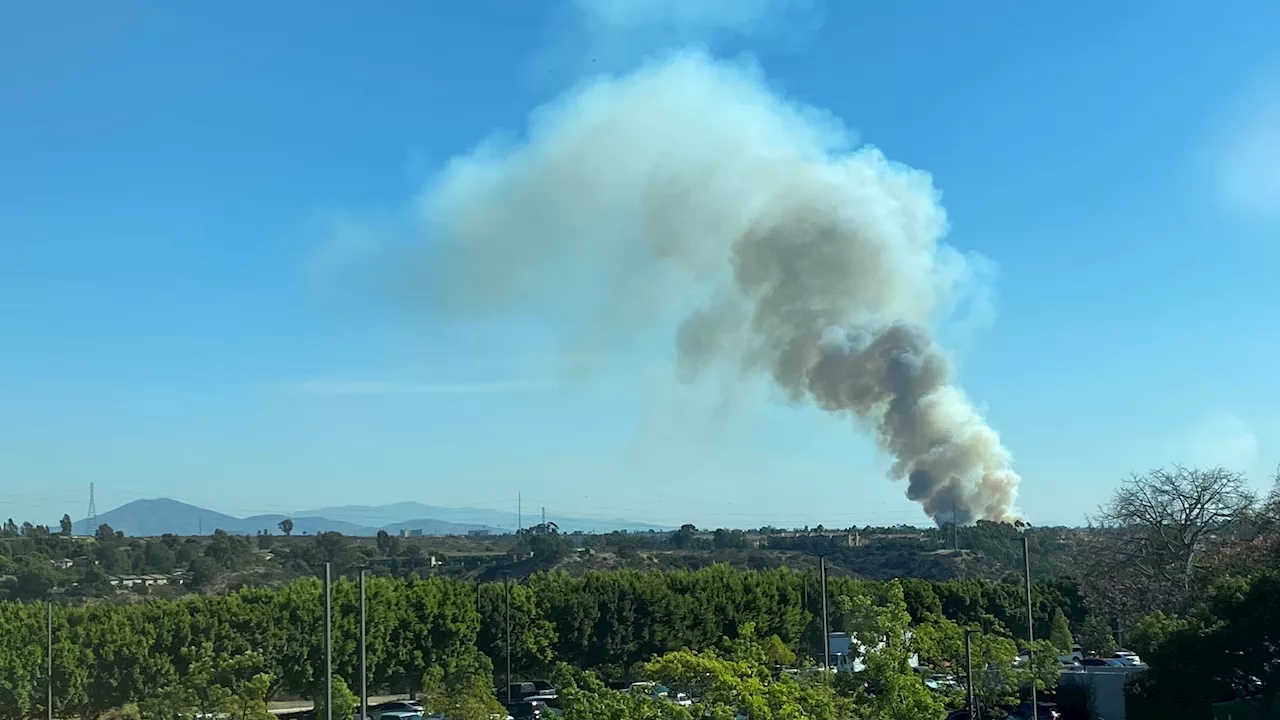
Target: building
[[478, 558], [129, 581], [811, 540], [407, 533]]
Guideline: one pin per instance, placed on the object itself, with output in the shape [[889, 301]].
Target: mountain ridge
[[397, 512], [159, 516]]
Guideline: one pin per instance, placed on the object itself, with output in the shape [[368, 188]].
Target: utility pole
[[49, 658], [1031, 632], [328, 642], [544, 516], [93, 509], [506, 586], [519, 511], [955, 527], [364, 667], [970, 698], [826, 633]]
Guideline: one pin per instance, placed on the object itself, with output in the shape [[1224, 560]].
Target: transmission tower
[[93, 508]]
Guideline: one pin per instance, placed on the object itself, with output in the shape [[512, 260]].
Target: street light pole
[[968, 661], [506, 586], [826, 632], [328, 643], [49, 658], [1031, 632], [364, 668]]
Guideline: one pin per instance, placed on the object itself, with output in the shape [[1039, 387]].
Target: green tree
[[286, 526], [777, 652], [158, 557], [464, 691], [683, 538], [66, 525], [737, 684], [203, 572], [95, 581], [249, 701], [1152, 630], [533, 637], [344, 701], [1060, 633], [1096, 636], [387, 545], [35, 577]]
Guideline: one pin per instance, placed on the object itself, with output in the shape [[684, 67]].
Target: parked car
[[406, 714], [1070, 664], [1100, 662], [654, 690], [395, 710], [518, 691], [527, 710], [1127, 657], [550, 703], [941, 681], [544, 687]]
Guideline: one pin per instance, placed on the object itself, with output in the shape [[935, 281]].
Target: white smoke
[[688, 188]]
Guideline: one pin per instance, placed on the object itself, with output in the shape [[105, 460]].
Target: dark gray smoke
[[687, 189]]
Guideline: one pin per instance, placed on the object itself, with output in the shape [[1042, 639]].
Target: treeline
[[1185, 562], [107, 655]]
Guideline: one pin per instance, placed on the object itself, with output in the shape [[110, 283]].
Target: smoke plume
[[687, 189]]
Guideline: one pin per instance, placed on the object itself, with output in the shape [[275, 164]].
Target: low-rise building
[[129, 581]]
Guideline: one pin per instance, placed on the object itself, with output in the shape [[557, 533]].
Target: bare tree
[[1149, 548]]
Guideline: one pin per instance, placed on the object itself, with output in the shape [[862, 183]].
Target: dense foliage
[[258, 641], [245, 623]]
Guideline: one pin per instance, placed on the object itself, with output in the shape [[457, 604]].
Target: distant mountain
[[395, 513], [143, 518], [157, 517]]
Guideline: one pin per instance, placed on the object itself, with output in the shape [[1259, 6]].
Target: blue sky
[[174, 179]]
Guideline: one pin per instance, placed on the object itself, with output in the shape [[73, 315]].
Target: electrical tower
[[93, 508]]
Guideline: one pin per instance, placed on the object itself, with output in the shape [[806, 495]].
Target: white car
[[395, 715], [395, 710], [656, 691], [1127, 657]]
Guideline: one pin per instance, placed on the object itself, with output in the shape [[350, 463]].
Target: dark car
[[544, 687], [518, 691], [526, 710]]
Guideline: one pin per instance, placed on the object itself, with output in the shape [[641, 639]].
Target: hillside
[[161, 516]]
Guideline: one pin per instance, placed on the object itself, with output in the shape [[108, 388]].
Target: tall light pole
[[49, 658], [968, 661], [364, 668], [328, 643], [506, 586], [1031, 632], [826, 632]]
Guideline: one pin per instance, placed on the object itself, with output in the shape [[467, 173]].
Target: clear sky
[[175, 178]]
